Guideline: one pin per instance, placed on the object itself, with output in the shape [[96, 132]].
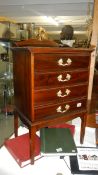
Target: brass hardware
[[68, 62], [67, 92], [59, 109], [68, 77]]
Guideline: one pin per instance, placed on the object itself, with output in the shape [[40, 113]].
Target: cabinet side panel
[[22, 82]]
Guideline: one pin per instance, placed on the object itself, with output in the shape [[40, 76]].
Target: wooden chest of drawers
[[50, 87]]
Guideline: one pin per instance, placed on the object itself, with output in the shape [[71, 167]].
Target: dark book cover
[[19, 148], [57, 141], [65, 125]]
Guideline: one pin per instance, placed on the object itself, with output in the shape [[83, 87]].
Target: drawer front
[[61, 94], [60, 109], [60, 62], [55, 79]]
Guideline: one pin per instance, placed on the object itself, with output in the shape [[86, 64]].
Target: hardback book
[[65, 125], [57, 141], [19, 148]]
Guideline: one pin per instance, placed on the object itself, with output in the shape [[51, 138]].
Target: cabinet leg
[[83, 125], [15, 124], [96, 130], [32, 134]]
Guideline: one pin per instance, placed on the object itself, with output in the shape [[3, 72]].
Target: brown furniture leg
[[82, 132], [16, 124], [96, 136], [32, 134]]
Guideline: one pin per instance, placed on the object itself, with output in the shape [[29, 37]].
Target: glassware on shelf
[[6, 79]]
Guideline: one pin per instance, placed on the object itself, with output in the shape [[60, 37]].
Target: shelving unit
[[7, 35], [6, 77]]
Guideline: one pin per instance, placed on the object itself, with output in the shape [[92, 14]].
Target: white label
[[79, 105], [59, 150]]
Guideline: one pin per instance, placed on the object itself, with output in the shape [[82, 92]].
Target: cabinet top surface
[[54, 49]]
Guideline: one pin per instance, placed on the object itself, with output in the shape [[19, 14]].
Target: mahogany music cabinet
[[50, 87]]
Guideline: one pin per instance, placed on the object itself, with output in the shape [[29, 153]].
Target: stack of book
[[57, 141]]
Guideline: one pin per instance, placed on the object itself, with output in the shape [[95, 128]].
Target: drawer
[[60, 109], [60, 94], [54, 79], [59, 62]]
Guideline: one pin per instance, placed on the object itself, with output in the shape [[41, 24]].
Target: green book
[[57, 141]]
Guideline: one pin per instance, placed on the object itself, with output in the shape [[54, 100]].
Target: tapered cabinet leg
[[16, 124], [83, 125], [32, 134]]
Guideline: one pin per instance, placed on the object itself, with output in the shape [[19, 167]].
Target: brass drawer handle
[[67, 92], [59, 109], [68, 62], [68, 77]]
